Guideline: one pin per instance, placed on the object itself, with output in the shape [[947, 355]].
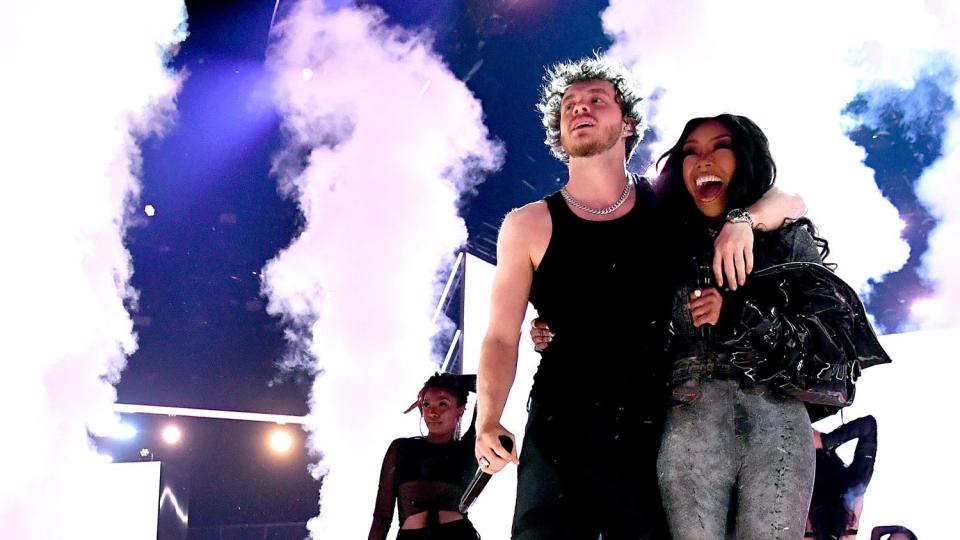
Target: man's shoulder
[[529, 214], [530, 220], [525, 228]]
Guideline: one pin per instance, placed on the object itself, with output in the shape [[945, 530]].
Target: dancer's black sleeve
[[386, 495], [881, 530], [865, 431]]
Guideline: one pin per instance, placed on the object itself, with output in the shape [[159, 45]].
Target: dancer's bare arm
[[498, 353], [733, 248]]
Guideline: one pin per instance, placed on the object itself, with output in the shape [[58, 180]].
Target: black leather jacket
[[800, 328], [695, 355], [794, 325]]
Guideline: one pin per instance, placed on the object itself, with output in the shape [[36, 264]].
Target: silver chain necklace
[[572, 201]]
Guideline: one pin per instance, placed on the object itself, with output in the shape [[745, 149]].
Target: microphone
[[705, 281], [480, 479]]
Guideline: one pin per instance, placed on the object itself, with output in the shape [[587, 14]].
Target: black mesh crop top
[[422, 476]]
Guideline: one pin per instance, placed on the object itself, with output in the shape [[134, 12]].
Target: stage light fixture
[[171, 434], [149, 210], [280, 440]]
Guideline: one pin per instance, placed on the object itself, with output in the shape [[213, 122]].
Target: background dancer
[[425, 476], [839, 489]]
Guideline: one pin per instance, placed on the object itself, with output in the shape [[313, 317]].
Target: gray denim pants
[[736, 445]]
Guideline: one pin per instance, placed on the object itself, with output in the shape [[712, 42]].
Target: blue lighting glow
[[124, 431]]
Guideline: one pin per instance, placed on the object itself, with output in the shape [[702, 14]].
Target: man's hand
[[540, 334], [705, 306], [491, 455], [733, 254]]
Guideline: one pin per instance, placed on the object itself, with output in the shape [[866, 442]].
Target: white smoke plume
[[939, 188], [381, 141], [83, 82], [792, 68], [919, 39]]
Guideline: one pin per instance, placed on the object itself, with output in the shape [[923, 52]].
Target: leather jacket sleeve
[[801, 328]]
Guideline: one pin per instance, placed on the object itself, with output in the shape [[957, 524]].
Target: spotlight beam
[[125, 408]]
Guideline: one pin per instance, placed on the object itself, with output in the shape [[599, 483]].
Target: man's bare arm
[[775, 207], [733, 248], [498, 353]]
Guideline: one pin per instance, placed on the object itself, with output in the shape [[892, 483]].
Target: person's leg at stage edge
[[624, 479], [630, 507], [546, 505], [603, 480]]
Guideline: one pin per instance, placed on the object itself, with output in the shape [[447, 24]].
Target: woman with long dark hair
[[728, 440], [426, 476]]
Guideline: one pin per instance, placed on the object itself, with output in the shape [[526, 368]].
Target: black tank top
[[596, 288]]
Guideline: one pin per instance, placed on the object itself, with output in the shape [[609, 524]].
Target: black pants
[[455, 530], [586, 471]]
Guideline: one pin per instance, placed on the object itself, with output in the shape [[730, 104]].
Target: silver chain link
[[572, 201]]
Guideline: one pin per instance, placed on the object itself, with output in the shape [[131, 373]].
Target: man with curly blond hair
[[586, 257], [561, 76]]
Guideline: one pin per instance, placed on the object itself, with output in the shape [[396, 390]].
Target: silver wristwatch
[[739, 215]]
